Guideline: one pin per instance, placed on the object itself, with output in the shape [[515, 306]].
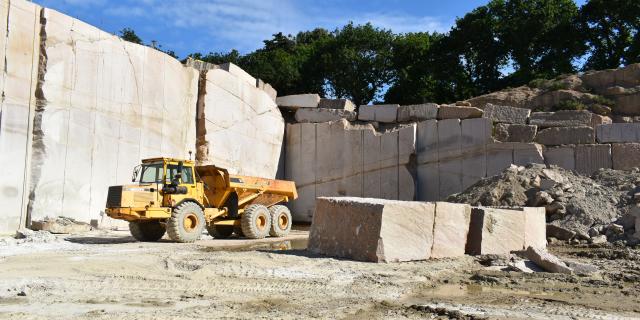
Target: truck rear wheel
[[186, 222], [220, 232], [256, 221], [147, 231], [280, 221]]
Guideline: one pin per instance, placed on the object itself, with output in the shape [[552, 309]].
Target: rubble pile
[[578, 208]]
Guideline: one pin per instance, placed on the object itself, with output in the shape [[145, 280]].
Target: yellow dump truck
[[180, 198]]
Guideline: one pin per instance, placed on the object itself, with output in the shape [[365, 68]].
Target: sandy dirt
[[107, 275]]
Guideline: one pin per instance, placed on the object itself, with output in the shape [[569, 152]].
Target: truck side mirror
[[136, 170]]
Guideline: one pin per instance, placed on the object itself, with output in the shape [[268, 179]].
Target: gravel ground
[[107, 275]]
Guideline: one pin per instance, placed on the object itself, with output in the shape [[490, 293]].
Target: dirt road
[[106, 275]]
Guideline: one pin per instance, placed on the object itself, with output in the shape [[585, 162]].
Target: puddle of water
[[451, 290], [296, 244]]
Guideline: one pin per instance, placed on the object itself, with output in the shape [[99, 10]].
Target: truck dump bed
[[248, 189]]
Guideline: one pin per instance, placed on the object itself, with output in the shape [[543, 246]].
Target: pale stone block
[[515, 132], [625, 156], [547, 261], [406, 184], [566, 135], [302, 209], [387, 113], [18, 60], [535, 231], [449, 161], [236, 111], [417, 112], [563, 157], [323, 115], [301, 153], [372, 229], [562, 118], [499, 157], [506, 114], [458, 112], [298, 101], [476, 133], [496, 231], [526, 153], [343, 104], [450, 229], [597, 120], [239, 73], [618, 132], [590, 158], [407, 139], [428, 183], [427, 141]]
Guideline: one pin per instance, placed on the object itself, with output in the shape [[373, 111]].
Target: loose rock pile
[[578, 208]]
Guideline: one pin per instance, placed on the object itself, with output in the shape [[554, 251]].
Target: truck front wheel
[[147, 231], [256, 221], [186, 223], [220, 232]]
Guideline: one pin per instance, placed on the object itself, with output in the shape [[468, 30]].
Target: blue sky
[[187, 26]]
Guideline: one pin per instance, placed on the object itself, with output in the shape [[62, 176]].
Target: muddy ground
[[107, 275]]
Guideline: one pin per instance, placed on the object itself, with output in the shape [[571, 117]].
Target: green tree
[[611, 30], [358, 62], [130, 35], [481, 52], [541, 36]]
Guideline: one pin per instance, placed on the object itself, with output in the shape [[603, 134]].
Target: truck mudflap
[[134, 214]]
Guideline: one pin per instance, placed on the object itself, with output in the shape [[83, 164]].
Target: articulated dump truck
[[177, 197]]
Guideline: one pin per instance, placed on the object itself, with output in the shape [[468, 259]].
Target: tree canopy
[[504, 43]]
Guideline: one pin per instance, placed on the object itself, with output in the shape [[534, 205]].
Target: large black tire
[[147, 231], [280, 221], [186, 223], [256, 221], [220, 232]]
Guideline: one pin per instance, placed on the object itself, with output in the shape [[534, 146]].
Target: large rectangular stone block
[[625, 156], [298, 101], [236, 111], [458, 112], [526, 153], [496, 231], [428, 183], [417, 112], [387, 113], [449, 157], [343, 104], [450, 229], [535, 231], [590, 158], [475, 134], [500, 231], [562, 118], [566, 135], [515, 132], [506, 114], [373, 230], [427, 141], [317, 115], [563, 157], [618, 132], [499, 157], [19, 40]]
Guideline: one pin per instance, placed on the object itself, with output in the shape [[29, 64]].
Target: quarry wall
[[81, 107]]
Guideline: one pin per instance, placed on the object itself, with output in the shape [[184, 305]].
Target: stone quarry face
[[242, 128], [83, 107], [19, 60]]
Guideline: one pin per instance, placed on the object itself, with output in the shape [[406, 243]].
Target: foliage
[[128, 34], [571, 105], [610, 29]]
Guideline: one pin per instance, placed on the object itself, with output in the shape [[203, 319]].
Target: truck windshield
[[152, 173]]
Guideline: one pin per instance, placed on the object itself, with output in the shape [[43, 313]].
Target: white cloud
[[244, 24]]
